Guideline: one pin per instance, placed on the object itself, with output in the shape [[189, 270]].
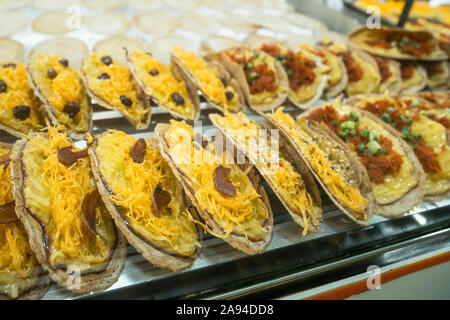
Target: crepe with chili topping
[[390, 72], [398, 43], [179, 98], [61, 90], [112, 86], [21, 276], [334, 166], [414, 77], [434, 105], [263, 81], [438, 74], [306, 74], [429, 139], [229, 197], [210, 78], [362, 70], [145, 199], [291, 181], [20, 110], [69, 227], [337, 74], [396, 176]]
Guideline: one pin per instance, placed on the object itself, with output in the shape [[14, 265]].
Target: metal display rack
[[340, 248]]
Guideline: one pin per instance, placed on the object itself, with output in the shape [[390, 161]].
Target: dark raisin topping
[[126, 101], [160, 199], [106, 60], [21, 112], [177, 98], [64, 62], [138, 150], [3, 86], [229, 95], [51, 73], [10, 65], [67, 156], [154, 72], [72, 108], [104, 76]]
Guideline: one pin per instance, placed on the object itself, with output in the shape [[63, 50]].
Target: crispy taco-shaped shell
[[332, 163], [305, 70], [35, 209], [414, 78], [299, 194], [62, 93], [398, 43], [120, 146], [20, 110], [113, 87], [184, 169], [362, 70], [269, 100], [429, 138], [162, 91], [391, 200], [391, 77], [34, 284], [210, 78]]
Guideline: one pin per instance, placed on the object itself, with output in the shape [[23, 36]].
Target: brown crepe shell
[[95, 280], [150, 252]]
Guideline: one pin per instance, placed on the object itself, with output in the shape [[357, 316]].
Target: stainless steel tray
[[219, 266]]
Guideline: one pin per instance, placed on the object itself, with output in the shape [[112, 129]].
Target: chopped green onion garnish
[[361, 146], [365, 133], [417, 136], [386, 118], [373, 146], [406, 133], [348, 124], [405, 119], [373, 136], [354, 116]]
